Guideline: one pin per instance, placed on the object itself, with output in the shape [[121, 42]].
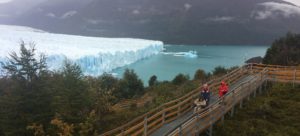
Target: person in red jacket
[[223, 89]]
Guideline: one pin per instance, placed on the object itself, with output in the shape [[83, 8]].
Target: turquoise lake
[[175, 59]]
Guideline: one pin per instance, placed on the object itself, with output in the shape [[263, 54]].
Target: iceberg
[[95, 55]]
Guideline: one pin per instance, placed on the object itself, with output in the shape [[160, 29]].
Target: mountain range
[[172, 21]]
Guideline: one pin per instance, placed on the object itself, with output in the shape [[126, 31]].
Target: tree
[[71, 94], [200, 75], [25, 68], [219, 70], [29, 99], [152, 81], [108, 82], [284, 51], [130, 85], [180, 79]]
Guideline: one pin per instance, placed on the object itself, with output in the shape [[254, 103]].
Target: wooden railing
[[199, 122], [151, 121]]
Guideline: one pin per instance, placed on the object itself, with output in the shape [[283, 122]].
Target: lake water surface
[[175, 60]]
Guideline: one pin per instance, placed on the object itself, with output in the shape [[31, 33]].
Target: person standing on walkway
[[205, 93], [223, 89]]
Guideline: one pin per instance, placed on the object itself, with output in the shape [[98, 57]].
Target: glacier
[[95, 55]]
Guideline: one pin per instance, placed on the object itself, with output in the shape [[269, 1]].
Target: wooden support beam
[[223, 113], [180, 131], [198, 124], [178, 112], [222, 119], [265, 85], [123, 132], [295, 71], [241, 104], [145, 126], [210, 130], [164, 117], [260, 89], [232, 111]]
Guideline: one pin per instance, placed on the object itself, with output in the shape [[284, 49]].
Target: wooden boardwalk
[[176, 117]]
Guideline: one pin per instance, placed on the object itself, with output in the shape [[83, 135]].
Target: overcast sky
[[296, 2], [4, 1]]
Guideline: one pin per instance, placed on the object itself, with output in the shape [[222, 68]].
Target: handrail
[[176, 101], [161, 115], [264, 75], [212, 105]]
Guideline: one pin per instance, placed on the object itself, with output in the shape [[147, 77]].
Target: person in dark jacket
[[223, 89], [205, 93]]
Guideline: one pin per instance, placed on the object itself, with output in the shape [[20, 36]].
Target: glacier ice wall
[[94, 55]]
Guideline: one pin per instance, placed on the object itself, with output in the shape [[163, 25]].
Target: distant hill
[[172, 21]]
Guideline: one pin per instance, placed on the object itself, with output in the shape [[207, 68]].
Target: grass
[[274, 113]]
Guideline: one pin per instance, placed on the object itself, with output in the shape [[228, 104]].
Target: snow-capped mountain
[[94, 55], [172, 21]]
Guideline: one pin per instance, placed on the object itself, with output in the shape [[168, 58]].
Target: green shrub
[[130, 85], [180, 79], [153, 80], [219, 70], [200, 75]]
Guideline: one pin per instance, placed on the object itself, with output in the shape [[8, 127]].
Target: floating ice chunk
[[189, 54]]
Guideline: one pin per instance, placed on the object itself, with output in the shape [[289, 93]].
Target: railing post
[[294, 77], [249, 92], [198, 124], [163, 115], [254, 94], [180, 131], [145, 126], [223, 112], [210, 122], [232, 111], [241, 104], [260, 88], [234, 102], [251, 68], [210, 130], [265, 85], [123, 132], [178, 111]]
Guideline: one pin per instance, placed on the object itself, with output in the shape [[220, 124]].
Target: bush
[[200, 75], [219, 70], [180, 79], [130, 85], [153, 80], [108, 82]]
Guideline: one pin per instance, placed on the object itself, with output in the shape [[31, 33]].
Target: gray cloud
[[187, 6], [68, 14], [51, 15], [274, 9]]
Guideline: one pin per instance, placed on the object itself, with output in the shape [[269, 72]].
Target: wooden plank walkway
[[169, 126]]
